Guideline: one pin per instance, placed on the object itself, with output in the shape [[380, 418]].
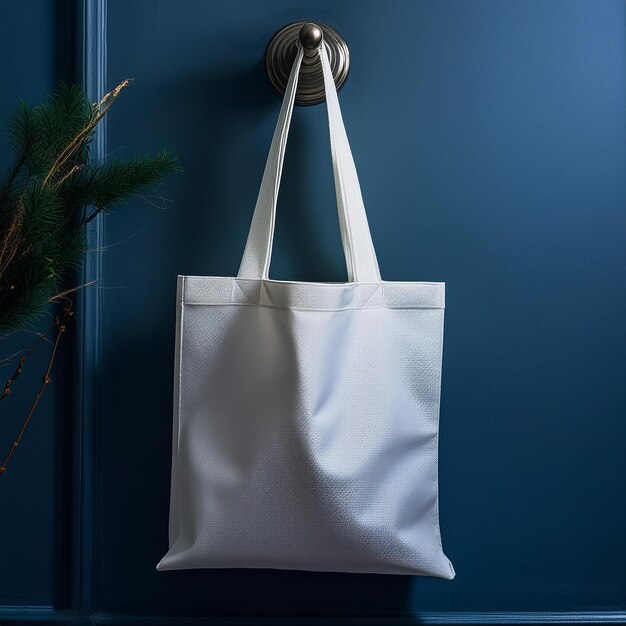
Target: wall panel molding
[[92, 72], [35, 615]]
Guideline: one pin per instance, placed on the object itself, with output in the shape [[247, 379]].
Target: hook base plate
[[281, 53]]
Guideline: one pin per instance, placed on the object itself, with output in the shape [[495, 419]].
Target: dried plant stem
[[10, 239], [60, 323], [20, 365], [67, 292], [22, 362], [99, 112]]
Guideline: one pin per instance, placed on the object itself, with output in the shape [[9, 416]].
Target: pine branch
[[52, 192], [22, 138], [107, 185]]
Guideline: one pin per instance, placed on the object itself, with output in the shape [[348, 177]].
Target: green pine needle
[[50, 193]]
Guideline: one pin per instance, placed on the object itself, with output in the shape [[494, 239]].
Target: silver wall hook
[[281, 53], [310, 36]]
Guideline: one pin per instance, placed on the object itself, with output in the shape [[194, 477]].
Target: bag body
[[306, 414]]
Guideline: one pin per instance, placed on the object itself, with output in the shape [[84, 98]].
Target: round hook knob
[[310, 36], [282, 50]]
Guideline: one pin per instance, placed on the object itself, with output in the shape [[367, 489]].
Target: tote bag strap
[[355, 233]]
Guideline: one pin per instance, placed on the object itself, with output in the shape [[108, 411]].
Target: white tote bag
[[306, 414]]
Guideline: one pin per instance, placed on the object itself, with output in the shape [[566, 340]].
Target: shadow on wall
[[223, 170], [137, 489]]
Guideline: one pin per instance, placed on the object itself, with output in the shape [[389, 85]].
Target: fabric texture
[[306, 414]]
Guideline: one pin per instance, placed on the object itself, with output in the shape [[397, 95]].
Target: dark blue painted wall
[[36, 51], [490, 140]]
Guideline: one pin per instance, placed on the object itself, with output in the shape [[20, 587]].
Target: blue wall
[[35, 53], [490, 140]]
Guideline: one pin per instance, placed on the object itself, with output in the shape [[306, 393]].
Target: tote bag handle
[[355, 233]]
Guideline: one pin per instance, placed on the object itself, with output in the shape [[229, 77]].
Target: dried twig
[[10, 239], [63, 294], [60, 324], [100, 111], [22, 361]]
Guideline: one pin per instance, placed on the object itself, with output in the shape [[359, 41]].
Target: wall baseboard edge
[[34, 615]]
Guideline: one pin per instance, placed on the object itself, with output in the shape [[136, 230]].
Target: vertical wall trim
[[93, 74]]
